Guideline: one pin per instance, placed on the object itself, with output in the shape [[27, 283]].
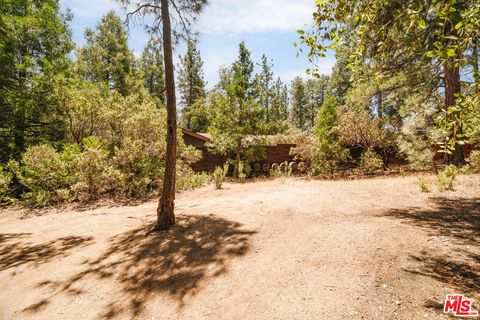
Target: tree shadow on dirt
[[25, 253], [4, 237], [174, 263], [456, 218], [459, 272], [452, 263], [462, 274]]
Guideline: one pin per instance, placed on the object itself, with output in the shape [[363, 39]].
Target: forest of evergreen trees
[[80, 122]]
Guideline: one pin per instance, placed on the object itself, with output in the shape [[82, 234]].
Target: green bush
[[219, 175], [137, 170], [371, 162], [80, 191], [277, 172], [91, 166], [475, 161], [287, 170], [243, 171], [71, 156], [328, 152], [119, 151], [190, 180], [466, 169], [451, 171], [422, 183], [445, 179], [5, 179], [63, 195], [302, 167], [114, 181], [42, 171]]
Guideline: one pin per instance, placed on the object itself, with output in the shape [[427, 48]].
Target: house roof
[[201, 136], [206, 135], [248, 139]]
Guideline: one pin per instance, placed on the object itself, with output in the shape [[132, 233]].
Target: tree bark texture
[[452, 89], [165, 210]]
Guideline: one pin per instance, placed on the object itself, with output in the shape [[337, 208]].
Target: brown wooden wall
[[209, 161], [278, 154], [281, 153], [274, 154]]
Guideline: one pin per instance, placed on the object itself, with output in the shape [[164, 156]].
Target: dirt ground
[[283, 249]]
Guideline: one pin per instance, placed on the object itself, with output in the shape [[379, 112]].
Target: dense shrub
[[243, 170], [42, 171], [475, 161], [371, 162], [117, 148], [5, 179], [471, 101], [422, 183], [219, 175], [356, 127], [303, 149], [320, 151], [419, 139], [85, 172], [141, 171], [328, 153], [446, 178], [91, 166], [187, 179]]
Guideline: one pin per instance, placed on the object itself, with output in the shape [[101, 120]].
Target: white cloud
[[89, 9], [215, 58], [223, 16], [241, 16], [288, 76], [325, 65]]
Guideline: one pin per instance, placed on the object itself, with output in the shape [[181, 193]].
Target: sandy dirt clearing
[[282, 249]]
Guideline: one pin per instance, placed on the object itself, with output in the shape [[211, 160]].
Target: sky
[[266, 26]]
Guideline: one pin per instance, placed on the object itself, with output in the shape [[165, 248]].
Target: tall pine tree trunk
[[452, 89], [20, 121], [165, 210], [380, 104]]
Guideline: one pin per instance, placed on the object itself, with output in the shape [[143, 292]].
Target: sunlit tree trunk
[[452, 89], [165, 210], [380, 104]]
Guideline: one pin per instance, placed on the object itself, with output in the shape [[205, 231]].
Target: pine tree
[[106, 58], [236, 113], [185, 11], [242, 71], [298, 94], [279, 108], [153, 70], [191, 84], [35, 43], [315, 92], [328, 152], [264, 87], [340, 79]]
